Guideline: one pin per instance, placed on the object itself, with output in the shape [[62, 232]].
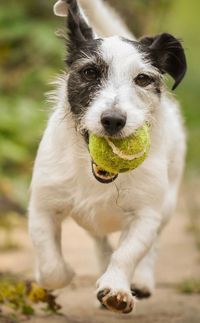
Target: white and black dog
[[114, 84]]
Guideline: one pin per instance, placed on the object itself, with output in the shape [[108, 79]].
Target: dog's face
[[112, 87], [115, 84]]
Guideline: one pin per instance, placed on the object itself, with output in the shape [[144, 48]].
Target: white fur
[[138, 203], [119, 92]]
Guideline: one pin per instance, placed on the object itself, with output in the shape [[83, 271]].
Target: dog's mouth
[[102, 175], [99, 173]]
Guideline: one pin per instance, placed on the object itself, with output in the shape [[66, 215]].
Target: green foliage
[[190, 286], [18, 298], [143, 16], [30, 54], [183, 21]]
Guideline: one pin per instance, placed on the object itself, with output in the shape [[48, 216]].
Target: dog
[[114, 85]]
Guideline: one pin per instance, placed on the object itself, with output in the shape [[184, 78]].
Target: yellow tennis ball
[[120, 155]]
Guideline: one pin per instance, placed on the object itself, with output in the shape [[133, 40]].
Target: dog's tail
[[105, 19]]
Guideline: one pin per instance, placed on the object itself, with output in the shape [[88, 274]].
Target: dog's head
[[115, 84]]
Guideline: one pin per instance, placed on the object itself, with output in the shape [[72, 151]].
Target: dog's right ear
[[79, 30]]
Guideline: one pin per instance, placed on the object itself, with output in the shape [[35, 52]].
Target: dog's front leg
[[103, 250], [45, 231], [114, 286]]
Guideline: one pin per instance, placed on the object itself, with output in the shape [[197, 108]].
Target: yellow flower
[[37, 293]]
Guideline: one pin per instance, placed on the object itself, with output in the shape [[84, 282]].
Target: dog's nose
[[113, 121]]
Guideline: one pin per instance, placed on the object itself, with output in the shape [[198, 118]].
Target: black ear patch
[[167, 54], [78, 29]]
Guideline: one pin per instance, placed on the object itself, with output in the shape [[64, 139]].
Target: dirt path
[[178, 259]]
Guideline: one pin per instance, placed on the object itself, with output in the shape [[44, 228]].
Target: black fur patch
[[80, 91], [79, 32], [81, 44], [166, 53], [86, 49]]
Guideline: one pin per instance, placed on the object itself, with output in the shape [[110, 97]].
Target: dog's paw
[[143, 284], [116, 300], [55, 277], [140, 292]]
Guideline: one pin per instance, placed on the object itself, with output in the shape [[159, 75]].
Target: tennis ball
[[120, 155]]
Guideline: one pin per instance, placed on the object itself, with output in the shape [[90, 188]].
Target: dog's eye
[[90, 73], [143, 80]]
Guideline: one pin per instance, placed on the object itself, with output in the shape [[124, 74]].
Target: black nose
[[113, 121]]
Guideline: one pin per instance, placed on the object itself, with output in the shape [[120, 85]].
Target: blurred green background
[[30, 57]]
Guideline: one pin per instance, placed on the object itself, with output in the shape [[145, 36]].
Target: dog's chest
[[100, 211], [101, 220]]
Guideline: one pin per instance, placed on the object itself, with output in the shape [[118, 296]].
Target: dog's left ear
[[167, 54], [79, 30]]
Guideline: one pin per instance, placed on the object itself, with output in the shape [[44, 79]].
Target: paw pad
[[116, 301]]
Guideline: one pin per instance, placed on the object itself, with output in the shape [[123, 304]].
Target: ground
[[178, 259]]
